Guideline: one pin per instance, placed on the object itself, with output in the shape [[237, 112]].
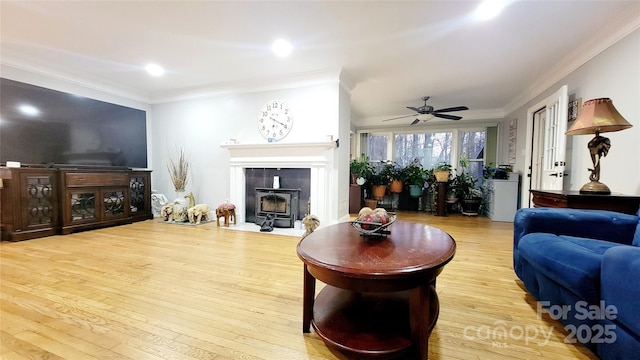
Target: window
[[377, 148], [429, 148], [472, 145]]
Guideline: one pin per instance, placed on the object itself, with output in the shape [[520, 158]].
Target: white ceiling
[[393, 52]]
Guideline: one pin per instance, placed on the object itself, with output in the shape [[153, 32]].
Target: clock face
[[275, 120]]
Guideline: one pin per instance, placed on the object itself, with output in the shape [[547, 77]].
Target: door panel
[[555, 139], [546, 144]]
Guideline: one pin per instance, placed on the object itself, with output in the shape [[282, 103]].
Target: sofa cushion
[[572, 262], [636, 237], [621, 284]]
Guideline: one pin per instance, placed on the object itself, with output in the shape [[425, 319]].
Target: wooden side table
[[627, 204], [380, 299]]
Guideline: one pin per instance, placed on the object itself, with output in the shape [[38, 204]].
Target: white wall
[[343, 153], [614, 73], [200, 126]]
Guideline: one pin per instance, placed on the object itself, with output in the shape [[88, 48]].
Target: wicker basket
[[441, 175]]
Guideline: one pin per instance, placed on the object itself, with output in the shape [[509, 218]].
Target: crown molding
[[39, 76], [625, 23], [47, 78], [346, 82], [269, 83]]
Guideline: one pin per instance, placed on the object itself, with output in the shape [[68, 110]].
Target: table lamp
[[597, 116]]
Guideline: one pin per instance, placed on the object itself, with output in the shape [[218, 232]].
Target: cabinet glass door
[[137, 199], [113, 204], [83, 206]]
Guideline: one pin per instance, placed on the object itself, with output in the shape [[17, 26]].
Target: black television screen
[[40, 126]]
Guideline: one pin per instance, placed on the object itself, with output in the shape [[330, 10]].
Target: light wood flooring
[[158, 291]]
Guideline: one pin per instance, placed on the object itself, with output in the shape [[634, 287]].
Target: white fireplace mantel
[[316, 156]]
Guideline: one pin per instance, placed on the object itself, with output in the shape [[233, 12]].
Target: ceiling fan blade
[[456, 108], [446, 116], [418, 110], [415, 121], [399, 117]]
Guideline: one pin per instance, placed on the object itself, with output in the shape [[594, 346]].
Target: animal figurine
[[267, 224], [310, 222], [227, 211], [167, 212], [192, 200], [197, 213]]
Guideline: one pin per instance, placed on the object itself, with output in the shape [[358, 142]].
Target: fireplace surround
[[318, 157]]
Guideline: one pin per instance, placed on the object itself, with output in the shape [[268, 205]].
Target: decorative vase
[[180, 206]]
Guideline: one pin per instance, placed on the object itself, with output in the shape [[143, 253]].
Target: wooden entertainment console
[[37, 202]]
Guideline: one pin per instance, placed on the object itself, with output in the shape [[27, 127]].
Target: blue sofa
[[583, 267]]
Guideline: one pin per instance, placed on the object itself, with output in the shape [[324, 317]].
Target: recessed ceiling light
[[154, 70], [281, 47], [29, 110], [489, 9]]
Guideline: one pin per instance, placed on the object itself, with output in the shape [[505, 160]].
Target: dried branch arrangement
[[178, 168]]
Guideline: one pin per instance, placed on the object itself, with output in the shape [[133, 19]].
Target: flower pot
[[441, 175], [378, 191], [372, 203], [471, 206], [395, 186], [415, 191]]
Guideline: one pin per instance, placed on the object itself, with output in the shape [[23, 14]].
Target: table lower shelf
[[368, 325]]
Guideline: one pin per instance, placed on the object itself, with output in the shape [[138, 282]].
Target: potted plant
[[442, 172], [379, 180], [360, 169], [466, 189], [415, 176], [396, 176]]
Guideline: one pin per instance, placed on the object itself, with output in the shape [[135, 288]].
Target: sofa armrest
[[593, 224], [620, 284]]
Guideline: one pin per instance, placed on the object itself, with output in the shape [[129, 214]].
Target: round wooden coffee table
[[380, 299]]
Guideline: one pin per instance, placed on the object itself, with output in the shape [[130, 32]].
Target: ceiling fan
[[429, 110]]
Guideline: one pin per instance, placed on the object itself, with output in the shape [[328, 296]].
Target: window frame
[[455, 146]]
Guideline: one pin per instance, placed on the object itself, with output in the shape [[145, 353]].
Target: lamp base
[[595, 187]]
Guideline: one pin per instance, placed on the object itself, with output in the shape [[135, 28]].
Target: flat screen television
[[40, 126]]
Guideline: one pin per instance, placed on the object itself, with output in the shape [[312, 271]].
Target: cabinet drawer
[[549, 201], [96, 179]]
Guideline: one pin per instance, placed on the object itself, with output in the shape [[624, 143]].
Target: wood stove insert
[[283, 203]]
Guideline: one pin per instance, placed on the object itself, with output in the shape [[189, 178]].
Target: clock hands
[[277, 121]]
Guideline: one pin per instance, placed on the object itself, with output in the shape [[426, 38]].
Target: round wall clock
[[275, 120]]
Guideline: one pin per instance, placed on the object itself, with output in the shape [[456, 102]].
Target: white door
[[546, 165], [537, 152], [555, 139]]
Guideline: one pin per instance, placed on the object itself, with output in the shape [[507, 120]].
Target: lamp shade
[[598, 116]]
